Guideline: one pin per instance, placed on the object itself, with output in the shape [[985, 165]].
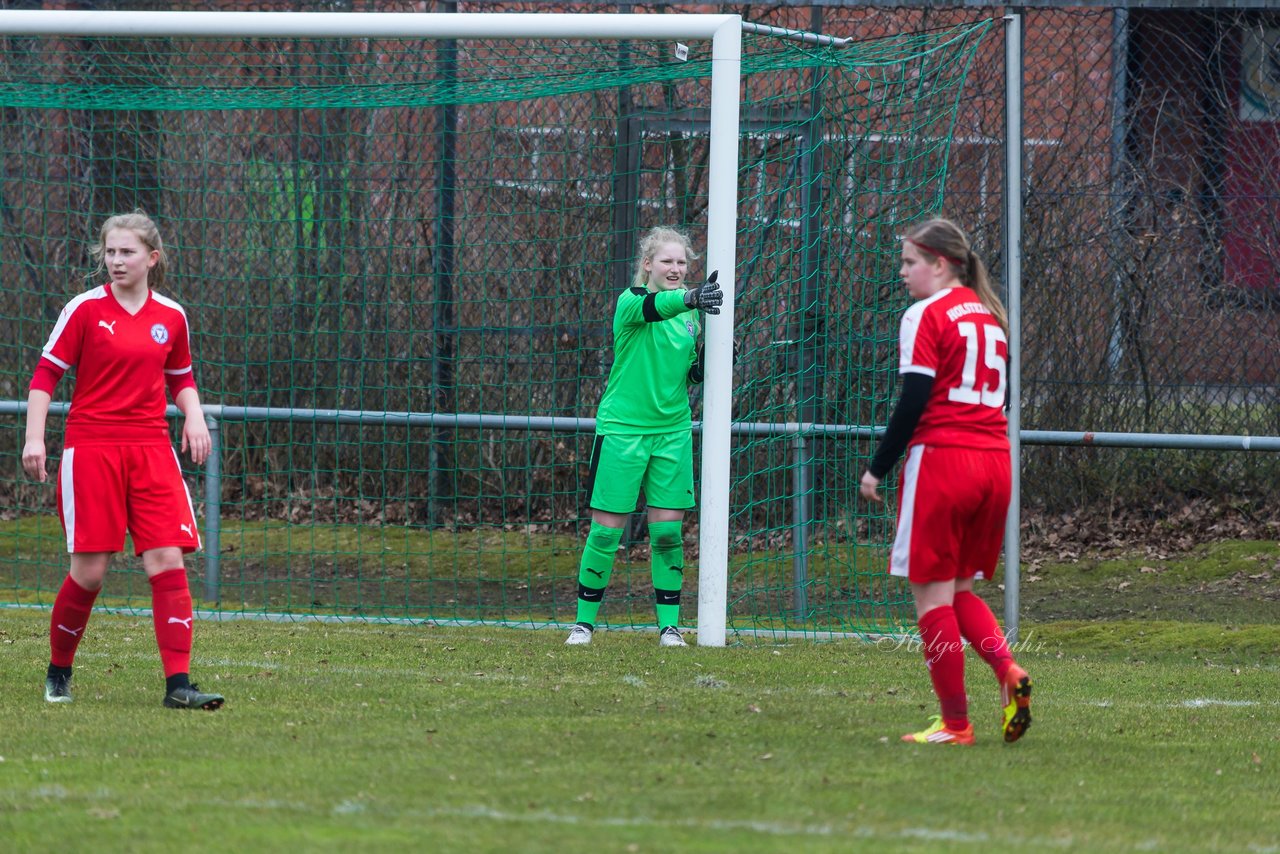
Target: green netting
[[421, 227]]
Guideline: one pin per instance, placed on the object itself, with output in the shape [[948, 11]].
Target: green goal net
[[439, 230]]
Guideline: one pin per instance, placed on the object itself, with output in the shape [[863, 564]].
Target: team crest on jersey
[[159, 333], [693, 333]]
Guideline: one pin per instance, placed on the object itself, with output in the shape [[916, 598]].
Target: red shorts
[[105, 489], [952, 506]]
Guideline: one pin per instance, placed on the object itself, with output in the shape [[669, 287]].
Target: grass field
[[1148, 736]]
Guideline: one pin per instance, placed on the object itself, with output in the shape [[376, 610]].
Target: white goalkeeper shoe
[[670, 636], [579, 635]]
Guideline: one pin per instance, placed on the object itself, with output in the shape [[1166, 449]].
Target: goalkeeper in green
[[644, 436]]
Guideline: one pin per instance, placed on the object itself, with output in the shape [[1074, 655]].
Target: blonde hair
[[142, 225], [942, 238], [653, 240]]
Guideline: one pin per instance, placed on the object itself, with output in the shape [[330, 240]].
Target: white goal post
[[725, 34]]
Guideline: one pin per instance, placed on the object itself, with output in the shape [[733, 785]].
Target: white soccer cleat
[[579, 635], [670, 636]]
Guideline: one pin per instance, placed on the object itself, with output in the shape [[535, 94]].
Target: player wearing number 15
[[957, 479]]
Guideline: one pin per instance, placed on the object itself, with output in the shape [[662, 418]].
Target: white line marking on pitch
[[1202, 702]]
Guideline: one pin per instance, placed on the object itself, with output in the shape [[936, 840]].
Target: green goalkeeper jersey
[[655, 340]]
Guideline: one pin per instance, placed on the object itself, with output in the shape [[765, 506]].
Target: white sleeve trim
[[58, 328], [169, 303], [186, 325]]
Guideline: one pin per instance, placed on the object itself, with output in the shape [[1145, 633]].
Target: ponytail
[[977, 278]]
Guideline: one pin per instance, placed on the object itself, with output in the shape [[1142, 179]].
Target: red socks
[[979, 627], [71, 609], [944, 655], [171, 613], [941, 630]]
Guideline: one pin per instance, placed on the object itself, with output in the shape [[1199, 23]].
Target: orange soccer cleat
[[1015, 697], [939, 733]]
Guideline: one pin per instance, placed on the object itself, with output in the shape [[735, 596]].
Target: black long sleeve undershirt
[[906, 415]]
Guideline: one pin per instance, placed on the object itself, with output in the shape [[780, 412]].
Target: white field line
[[1204, 702]]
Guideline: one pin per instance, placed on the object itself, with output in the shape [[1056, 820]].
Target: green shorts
[[661, 464]]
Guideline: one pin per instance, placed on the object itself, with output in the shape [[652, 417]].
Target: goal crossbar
[[385, 25], [323, 25]]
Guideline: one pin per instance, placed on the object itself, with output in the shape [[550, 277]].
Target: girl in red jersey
[[118, 469], [957, 478]]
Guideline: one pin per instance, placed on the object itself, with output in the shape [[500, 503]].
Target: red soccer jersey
[[122, 363], [952, 337]]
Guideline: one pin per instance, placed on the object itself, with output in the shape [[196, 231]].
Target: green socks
[[595, 569], [666, 561]]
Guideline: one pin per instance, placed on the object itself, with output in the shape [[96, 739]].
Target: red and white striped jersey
[[952, 337], [123, 362]]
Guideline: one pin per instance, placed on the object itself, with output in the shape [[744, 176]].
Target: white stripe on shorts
[[68, 496], [900, 557], [182, 480]]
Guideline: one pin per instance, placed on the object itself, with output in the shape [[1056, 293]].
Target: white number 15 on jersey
[[967, 391]]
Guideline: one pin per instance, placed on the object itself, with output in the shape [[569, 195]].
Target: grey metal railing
[[215, 414]]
